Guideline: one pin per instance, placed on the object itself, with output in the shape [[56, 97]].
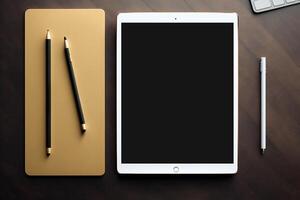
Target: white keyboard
[[265, 5]]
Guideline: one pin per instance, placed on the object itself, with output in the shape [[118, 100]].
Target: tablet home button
[[176, 169]]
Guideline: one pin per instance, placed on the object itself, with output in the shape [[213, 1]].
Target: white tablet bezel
[[177, 168]]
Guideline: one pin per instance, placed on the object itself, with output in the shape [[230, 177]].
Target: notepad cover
[[73, 152]]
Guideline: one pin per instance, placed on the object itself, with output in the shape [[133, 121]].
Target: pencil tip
[[65, 38], [48, 36], [263, 151]]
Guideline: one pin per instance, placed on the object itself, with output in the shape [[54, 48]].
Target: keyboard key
[[278, 2], [262, 4], [290, 1]]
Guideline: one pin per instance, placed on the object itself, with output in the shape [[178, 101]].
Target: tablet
[[177, 93]]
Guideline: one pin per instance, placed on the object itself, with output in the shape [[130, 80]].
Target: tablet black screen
[[177, 92]]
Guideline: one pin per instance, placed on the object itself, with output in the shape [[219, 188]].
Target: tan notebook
[[73, 152]]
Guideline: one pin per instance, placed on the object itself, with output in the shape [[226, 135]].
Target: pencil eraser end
[[83, 127]]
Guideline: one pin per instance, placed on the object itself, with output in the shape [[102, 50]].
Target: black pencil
[[48, 93], [74, 85]]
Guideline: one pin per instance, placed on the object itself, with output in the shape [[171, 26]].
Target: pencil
[[263, 91], [48, 93], [74, 86]]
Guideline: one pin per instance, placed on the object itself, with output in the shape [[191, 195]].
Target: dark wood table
[[276, 175]]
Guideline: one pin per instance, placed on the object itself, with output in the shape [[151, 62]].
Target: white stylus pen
[[263, 97]]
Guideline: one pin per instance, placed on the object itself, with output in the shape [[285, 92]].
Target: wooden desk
[[276, 175]]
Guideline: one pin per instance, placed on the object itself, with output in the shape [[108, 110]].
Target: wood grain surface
[[276, 175]]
